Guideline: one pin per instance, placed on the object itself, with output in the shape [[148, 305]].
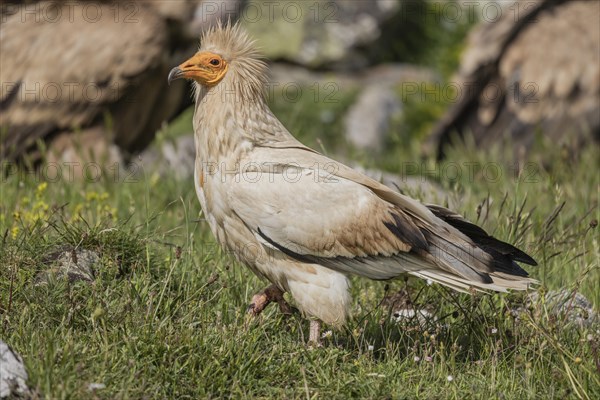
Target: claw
[[261, 300], [258, 303]]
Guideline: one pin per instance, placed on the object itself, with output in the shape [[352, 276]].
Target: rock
[[395, 74], [180, 156], [379, 102], [172, 158], [74, 265], [390, 74], [67, 72], [92, 387], [526, 76], [368, 119], [75, 85], [402, 309], [86, 152], [282, 75], [208, 12], [328, 34], [573, 306], [422, 316], [13, 375]]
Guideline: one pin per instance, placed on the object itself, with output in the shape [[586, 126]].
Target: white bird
[[305, 222]]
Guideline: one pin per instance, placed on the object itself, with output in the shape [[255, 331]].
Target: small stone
[[96, 386], [403, 310], [74, 265], [13, 376]]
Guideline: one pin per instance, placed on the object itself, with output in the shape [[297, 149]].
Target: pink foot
[[261, 300]]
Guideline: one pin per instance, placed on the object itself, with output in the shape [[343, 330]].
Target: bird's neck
[[230, 120]]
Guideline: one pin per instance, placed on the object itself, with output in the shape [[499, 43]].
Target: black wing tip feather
[[525, 258], [503, 248], [507, 262], [504, 255]]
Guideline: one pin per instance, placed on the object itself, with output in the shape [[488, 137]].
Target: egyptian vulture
[[305, 222]]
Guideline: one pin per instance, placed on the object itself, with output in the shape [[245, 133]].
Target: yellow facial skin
[[204, 67]]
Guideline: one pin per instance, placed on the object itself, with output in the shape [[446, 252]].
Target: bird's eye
[[214, 62]]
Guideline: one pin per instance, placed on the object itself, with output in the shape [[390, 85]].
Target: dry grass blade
[[548, 224]]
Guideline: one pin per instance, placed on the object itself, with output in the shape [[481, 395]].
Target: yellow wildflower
[[41, 188], [91, 196]]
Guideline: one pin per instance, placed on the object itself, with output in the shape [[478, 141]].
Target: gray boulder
[[368, 119], [318, 34]]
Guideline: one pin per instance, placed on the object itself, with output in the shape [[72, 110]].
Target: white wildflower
[[96, 386]]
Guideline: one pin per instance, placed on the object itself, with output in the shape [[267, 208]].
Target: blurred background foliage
[[373, 77]]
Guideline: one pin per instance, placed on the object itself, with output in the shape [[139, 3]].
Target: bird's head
[[205, 67], [226, 51]]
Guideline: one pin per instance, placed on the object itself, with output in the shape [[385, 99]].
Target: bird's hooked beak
[[176, 73], [204, 67]]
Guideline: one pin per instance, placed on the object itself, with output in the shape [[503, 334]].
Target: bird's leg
[[261, 300], [314, 332]]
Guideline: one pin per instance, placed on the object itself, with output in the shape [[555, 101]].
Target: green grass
[[166, 315]]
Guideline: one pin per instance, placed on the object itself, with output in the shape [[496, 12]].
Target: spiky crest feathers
[[247, 68]]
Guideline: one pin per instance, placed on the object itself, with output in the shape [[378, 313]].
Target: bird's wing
[[308, 212], [317, 210]]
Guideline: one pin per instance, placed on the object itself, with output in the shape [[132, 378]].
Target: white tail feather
[[500, 284]]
